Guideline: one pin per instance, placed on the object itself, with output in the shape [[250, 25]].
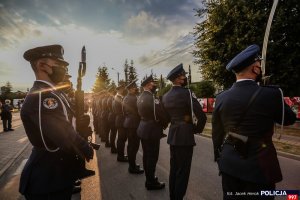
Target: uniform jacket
[[149, 127], [262, 165], [132, 118], [111, 114], [104, 112], [6, 112], [117, 107], [177, 103], [50, 167]]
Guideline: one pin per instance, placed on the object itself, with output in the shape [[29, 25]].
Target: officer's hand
[[216, 155], [85, 132]]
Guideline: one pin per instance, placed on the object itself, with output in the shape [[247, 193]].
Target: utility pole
[[190, 75]]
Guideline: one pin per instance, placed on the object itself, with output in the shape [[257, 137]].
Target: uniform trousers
[[180, 166], [61, 195], [231, 185], [112, 136], [99, 120], [150, 157], [105, 130], [132, 146], [6, 124], [122, 137], [95, 123]]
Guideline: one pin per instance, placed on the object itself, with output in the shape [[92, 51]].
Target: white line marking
[[20, 168]]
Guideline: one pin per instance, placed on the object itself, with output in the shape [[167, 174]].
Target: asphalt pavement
[[15, 148]]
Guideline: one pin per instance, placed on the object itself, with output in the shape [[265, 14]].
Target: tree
[[231, 26], [164, 90], [203, 89], [132, 75], [102, 80], [6, 91]]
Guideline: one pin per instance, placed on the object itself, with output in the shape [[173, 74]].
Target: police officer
[[177, 102], [6, 115], [150, 131], [112, 120], [49, 172], [246, 113], [104, 119], [118, 109], [131, 123]]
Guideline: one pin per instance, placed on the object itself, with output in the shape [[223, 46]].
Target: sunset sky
[[155, 34]]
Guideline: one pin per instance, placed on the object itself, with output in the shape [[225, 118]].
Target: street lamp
[[117, 74]]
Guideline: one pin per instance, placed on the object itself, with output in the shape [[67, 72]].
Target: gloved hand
[[83, 148], [216, 155]]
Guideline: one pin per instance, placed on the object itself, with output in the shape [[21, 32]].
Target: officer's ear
[[43, 66]]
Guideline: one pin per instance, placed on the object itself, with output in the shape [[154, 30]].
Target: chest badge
[[50, 103]]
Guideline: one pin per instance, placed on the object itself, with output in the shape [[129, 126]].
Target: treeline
[[6, 93], [103, 81], [229, 26]]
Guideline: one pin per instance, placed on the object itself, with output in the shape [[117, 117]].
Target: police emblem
[[50, 103], [156, 101]]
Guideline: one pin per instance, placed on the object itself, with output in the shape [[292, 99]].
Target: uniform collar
[[244, 83], [47, 83], [244, 79], [148, 91]]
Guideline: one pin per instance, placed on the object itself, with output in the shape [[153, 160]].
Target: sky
[[155, 34]]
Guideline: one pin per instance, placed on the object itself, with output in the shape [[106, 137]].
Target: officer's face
[[182, 80], [55, 70]]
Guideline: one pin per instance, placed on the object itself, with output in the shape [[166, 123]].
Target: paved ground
[[14, 143]]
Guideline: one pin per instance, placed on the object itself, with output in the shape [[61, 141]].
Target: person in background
[[131, 123], [150, 131], [6, 115]]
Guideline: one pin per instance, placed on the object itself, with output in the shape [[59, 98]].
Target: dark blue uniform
[[6, 116], [104, 121], [111, 124], [50, 167], [261, 165], [150, 131], [247, 158], [117, 106], [131, 123], [177, 103]]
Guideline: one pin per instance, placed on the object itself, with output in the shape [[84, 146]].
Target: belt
[[147, 120], [180, 122]]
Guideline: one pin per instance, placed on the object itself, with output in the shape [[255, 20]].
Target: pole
[[118, 78], [266, 38]]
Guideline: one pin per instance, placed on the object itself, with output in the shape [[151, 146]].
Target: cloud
[[14, 29], [181, 46], [143, 26]]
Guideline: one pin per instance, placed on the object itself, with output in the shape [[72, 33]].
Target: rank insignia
[[50, 103]]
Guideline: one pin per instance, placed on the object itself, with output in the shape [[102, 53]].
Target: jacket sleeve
[[199, 114], [218, 132], [55, 129]]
